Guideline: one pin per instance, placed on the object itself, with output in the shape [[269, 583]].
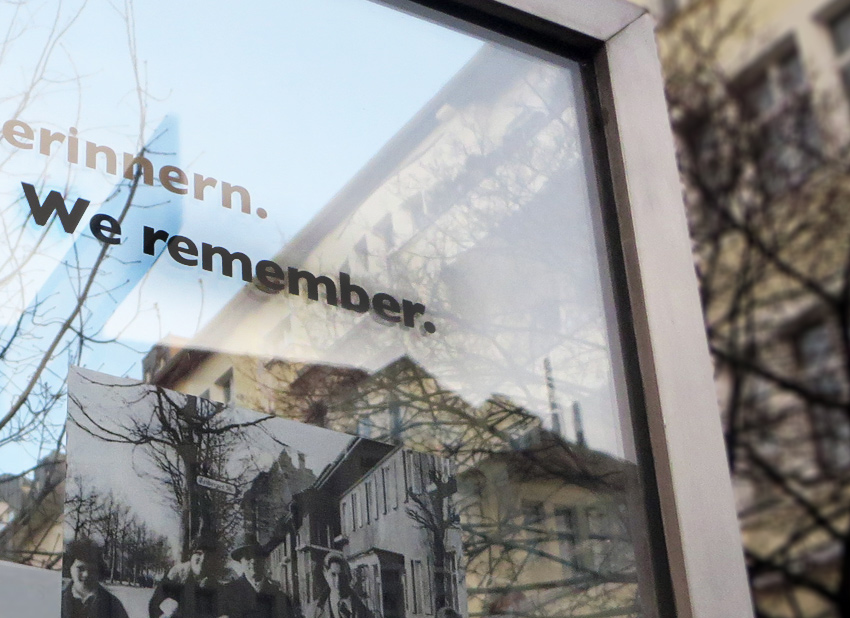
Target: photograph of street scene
[[180, 507]]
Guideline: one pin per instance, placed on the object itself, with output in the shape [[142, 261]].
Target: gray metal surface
[[28, 592], [599, 19], [697, 503]]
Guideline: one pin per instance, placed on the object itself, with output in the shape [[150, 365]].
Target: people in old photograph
[[253, 594], [85, 596], [338, 600], [191, 588], [207, 511]]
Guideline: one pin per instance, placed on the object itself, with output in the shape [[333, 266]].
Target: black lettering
[[295, 276], [208, 251], [151, 237], [411, 310], [101, 225], [179, 247], [346, 289], [55, 203], [385, 305], [270, 275]]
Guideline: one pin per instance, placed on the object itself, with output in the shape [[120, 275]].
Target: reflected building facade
[[483, 206]]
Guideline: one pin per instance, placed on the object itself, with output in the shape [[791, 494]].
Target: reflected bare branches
[[766, 189]]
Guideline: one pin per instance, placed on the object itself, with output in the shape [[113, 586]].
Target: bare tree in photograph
[[133, 554], [186, 440], [433, 510], [767, 199]]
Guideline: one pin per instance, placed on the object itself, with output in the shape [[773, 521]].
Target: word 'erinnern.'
[[21, 135]]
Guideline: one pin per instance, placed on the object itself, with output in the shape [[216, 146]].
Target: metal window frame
[[700, 528]]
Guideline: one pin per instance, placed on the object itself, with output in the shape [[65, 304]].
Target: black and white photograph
[[181, 507]]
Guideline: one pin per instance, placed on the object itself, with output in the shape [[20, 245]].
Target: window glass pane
[[791, 75], [840, 27], [354, 218], [821, 365], [759, 97]]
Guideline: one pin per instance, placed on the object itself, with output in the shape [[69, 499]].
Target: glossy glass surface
[[342, 214]]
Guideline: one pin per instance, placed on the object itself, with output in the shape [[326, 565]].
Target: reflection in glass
[[463, 182]]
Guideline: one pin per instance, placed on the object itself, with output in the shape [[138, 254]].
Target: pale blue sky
[[288, 99]]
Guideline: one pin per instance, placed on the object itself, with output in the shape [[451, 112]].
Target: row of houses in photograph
[[389, 511]]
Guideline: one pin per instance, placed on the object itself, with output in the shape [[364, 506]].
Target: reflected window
[[839, 27], [567, 523], [776, 99], [821, 361], [225, 387]]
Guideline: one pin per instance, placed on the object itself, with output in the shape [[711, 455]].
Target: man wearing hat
[[85, 596], [191, 588], [253, 595]]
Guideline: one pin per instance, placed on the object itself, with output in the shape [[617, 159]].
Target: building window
[[450, 577], [377, 502], [413, 478], [394, 484], [427, 593], [405, 464], [361, 251], [533, 516], [355, 513], [839, 28], [385, 230], [599, 537], [567, 526], [224, 387], [368, 501], [418, 585], [385, 473], [820, 360], [776, 100], [415, 205], [376, 605]]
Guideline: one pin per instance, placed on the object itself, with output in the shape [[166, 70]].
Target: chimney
[[554, 408], [578, 424], [302, 461]]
